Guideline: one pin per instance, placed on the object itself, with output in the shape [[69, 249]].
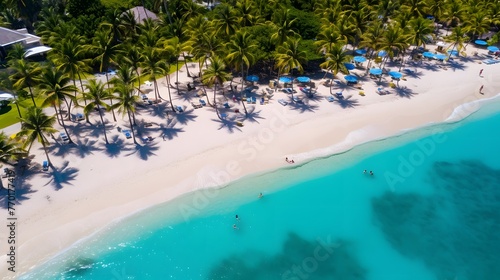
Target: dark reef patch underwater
[[456, 231], [299, 259]]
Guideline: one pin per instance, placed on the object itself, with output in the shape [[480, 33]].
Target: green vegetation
[[9, 114], [236, 37]]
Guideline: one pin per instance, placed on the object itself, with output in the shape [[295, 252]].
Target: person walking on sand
[[481, 89], [481, 72]]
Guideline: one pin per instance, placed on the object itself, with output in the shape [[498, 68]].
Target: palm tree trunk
[[32, 97], [131, 127], [167, 77], [186, 64], [103, 127], [215, 102], [139, 78], [241, 92], [111, 99], [46, 152], [66, 130], [177, 76], [57, 114]]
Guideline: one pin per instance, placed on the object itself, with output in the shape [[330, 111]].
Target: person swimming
[[235, 227], [237, 218], [260, 195]]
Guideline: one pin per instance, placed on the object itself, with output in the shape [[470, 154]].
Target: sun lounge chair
[[330, 99], [249, 100], [223, 116], [240, 124], [339, 95], [381, 91], [226, 105], [45, 165], [127, 133], [63, 136], [254, 100], [79, 116], [179, 109], [282, 102], [262, 101], [490, 61], [296, 99], [148, 124], [203, 103], [196, 105]]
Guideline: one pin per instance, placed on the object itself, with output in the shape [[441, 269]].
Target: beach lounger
[[249, 100], [282, 102], [79, 116], [339, 95], [179, 109], [226, 105], [223, 116], [45, 165], [196, 105], [254, 100], [296, 99], [240, 124], [490, 61], [330, 99], [63, 136], [203, 103], [127, 133]]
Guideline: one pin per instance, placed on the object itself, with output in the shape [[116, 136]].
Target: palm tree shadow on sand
[[347, 102], [185, 117], [229, 123], [302, 106], [404, 92], [115, 147], [253, 115], [60, 176], [21, 184], [169, 131], [81, 147], [144, 152]]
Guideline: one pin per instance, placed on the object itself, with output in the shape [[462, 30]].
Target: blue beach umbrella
[[252, 78], [440, 56], [351, 79], [360, 51], [376, 71], [303, 79], [359, 59], [453, 52], [428, 55], [493, 49], [349, 66], [285, 79], [382, 53], [395, 75], [481, 42]]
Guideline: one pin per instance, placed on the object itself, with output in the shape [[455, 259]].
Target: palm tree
[[36, 125], [25, 75], [327, 37], [335, 61], [96, 95], [454, 12], [173, 48], [283, 24], [68, 56], [9, 150], [477, 23], [56, 87], [215, 75], [393, 41], [16, 52], [226, 22], [371, 40], [457, 38], [106, 50], [420, 28], [133, 59], [289, 56], [126, 103], [241, 52], [153, 65]]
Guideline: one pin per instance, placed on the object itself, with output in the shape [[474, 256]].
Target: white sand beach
[[95, 185]]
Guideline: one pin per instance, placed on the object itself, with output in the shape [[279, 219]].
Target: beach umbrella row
[[359, 59], [395, 75], [481, 42], [285, 79], [376, 71], [351, 79], [303, 79], [492, 49], [252, 78]]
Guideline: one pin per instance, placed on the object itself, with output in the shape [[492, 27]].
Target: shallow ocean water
[[430, 211]]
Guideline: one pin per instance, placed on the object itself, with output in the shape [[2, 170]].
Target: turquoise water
[[430, 211]]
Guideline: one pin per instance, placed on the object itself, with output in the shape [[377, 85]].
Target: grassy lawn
[[9, 114]]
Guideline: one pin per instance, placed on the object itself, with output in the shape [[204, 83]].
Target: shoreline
[[68, 218]]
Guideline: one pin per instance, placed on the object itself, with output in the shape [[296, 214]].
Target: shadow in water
[[295, 261], [454, 231]]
